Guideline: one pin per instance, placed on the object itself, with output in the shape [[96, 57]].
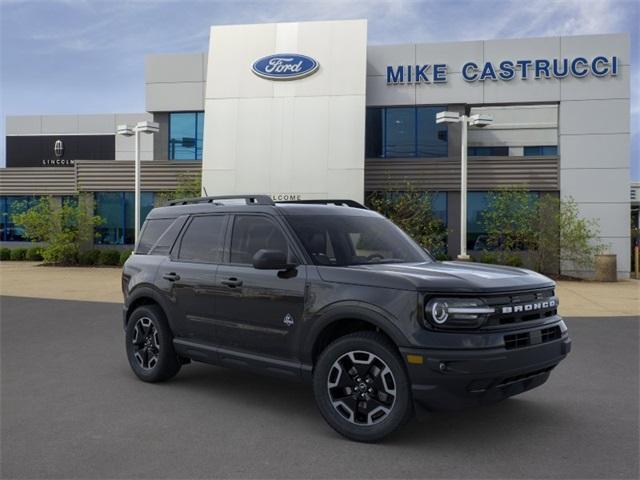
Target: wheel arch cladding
[[144, 298], [350, 320]]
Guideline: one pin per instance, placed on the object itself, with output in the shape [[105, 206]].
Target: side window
[[252, 233], [152, 231], [203, 241]]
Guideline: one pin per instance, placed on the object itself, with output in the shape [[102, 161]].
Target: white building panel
[[453, 54], [455, 90], [595, 151], [595, 117], [596, 185], [271, 129]]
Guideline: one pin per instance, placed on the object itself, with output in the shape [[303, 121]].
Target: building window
[[541, 151], [9, 206], [117, 212], [488, 151], [477, 204], [185, 135], [405, 132]]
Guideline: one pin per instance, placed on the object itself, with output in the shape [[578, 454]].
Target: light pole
[[127, 131], [478, 120]]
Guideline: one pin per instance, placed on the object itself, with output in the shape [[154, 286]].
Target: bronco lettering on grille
[[529, 307]]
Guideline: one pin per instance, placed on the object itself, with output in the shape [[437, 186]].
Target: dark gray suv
[[335, 294]]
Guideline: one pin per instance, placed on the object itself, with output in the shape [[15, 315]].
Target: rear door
[[258, 311], [190, 275]]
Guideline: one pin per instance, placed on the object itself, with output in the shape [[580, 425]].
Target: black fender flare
[[145, 291], [354, 310]]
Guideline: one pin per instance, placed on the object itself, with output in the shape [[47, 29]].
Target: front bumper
[[456, 378]]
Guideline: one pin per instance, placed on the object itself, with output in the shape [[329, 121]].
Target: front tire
[[149, 344], [362, 388]]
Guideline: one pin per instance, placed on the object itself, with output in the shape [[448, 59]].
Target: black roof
[[258, 203]]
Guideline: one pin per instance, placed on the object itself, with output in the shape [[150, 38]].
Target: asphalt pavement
[[71, 408]]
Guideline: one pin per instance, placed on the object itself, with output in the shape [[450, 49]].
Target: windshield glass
[[343, 240]]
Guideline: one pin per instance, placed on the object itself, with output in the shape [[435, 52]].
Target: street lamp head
[[147, 127], [124, 130], [447, 117], [480, 120]]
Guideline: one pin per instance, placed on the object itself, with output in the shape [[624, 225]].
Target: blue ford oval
[[285, 66]]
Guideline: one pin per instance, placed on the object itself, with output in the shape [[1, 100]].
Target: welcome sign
[[506, 70]]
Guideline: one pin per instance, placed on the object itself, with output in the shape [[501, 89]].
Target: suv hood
[[448, 277]]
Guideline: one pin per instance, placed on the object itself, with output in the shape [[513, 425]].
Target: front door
[[258, 311]]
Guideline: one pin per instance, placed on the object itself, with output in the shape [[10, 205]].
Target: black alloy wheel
[[149, 344], [361, 386]]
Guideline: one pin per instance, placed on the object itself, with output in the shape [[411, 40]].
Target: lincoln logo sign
[[284, 66], [58, 148]]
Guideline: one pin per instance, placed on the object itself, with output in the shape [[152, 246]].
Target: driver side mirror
[[271, 260]]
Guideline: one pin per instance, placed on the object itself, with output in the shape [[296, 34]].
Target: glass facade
[[477, 204], [401, 132], [541, 151], [117, 212], [10, 205], [488, 151], [185, 135]]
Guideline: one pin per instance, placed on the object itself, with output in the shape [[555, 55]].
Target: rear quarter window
[[158, 235]]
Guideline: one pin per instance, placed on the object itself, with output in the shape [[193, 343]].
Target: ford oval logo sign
[[285, 66]]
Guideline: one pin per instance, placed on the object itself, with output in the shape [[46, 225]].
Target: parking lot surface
[[71, 408]]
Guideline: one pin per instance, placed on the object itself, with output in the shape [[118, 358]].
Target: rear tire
[[149, 344], [362, 388]]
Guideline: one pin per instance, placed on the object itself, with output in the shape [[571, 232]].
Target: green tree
[[413, 212], [508, 221], [189, 185], [563, 237], [548, 228], [62, 227]]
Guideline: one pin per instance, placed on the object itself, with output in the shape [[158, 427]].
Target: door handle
[[232, 282], [172, 276]]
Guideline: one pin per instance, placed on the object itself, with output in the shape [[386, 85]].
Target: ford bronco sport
[[333, 293]]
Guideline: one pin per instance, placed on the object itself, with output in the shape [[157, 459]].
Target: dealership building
[[309, 110]]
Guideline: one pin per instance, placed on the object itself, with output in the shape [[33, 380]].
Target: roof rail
[[348, 203], [249, 200]]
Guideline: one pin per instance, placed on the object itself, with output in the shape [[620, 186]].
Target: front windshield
[[343, 240]]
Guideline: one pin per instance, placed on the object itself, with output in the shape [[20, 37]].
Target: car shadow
[[281, 397]]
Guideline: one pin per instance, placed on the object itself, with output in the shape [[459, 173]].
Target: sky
[[87, 56]]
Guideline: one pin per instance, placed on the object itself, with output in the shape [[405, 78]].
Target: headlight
[[457, 312]]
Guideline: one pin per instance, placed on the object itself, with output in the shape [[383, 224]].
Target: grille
[[521, 340], [499, 319]]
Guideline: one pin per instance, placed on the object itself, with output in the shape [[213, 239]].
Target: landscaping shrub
[[90, 257], [109, 257], [513, 260], [34, 254], [489, 257], [62, 228], [124, 255], [5, 254], [18, 253], [413, 211]]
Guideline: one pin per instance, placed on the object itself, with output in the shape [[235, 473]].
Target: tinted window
[[341, 240], [253, 233], [541, 150], [374, 132], [401, 132], [204, 239], [151, 233], [488, 151], [405, 132], [185, 135]]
